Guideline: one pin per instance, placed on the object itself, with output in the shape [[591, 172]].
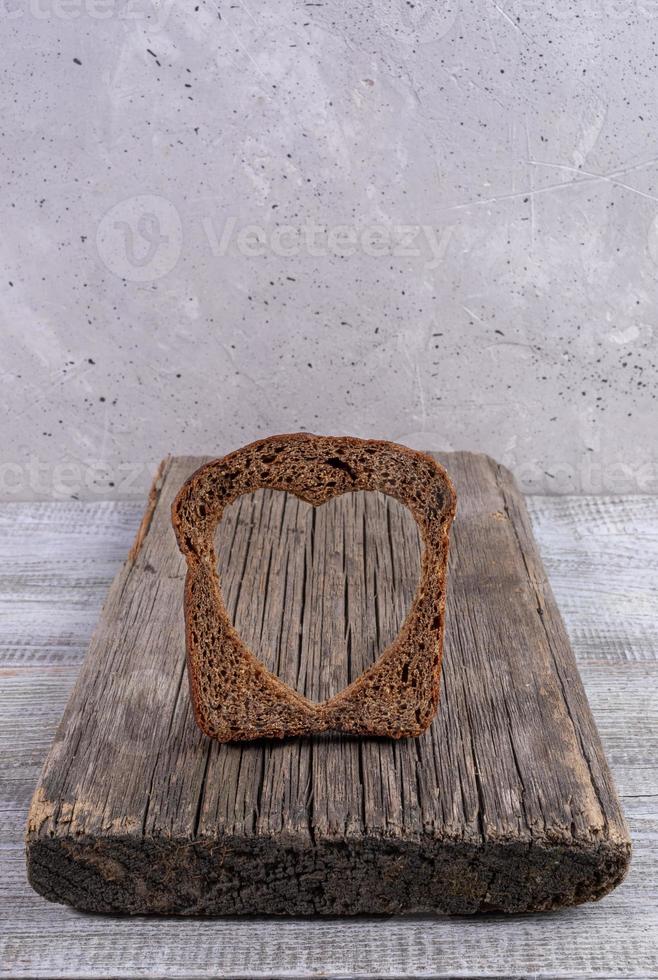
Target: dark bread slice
[[234, 696]]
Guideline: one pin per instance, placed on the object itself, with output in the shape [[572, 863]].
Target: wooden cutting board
[[505, 804]]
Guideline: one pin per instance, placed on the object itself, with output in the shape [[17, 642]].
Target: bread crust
[[234, 696]]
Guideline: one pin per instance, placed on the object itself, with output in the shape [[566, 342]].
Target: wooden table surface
[[56, 563]]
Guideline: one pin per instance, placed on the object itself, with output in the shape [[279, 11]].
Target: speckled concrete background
[[431, 222]]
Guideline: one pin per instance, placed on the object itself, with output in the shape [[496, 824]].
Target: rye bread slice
[[235, 697]]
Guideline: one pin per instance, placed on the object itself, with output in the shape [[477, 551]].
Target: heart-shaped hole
[[317, 593]]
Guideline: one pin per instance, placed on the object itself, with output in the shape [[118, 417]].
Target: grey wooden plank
[[612, 939], [607, 596], [56, 561]]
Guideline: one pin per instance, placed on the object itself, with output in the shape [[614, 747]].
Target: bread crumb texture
[[235, 698]]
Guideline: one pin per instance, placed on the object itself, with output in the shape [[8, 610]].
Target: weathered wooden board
[[505, 803], [57, 561]]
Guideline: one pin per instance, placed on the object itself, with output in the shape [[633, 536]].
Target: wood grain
[[506, 803], [57, 561]]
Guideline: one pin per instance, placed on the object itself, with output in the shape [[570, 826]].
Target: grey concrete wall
[[431, 222]]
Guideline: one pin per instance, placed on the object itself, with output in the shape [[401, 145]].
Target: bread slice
[[235, 697]]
